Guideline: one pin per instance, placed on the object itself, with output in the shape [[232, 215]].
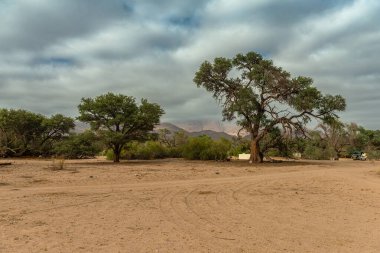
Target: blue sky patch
[[55, 61]]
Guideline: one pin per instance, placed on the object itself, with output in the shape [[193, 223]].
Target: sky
[[55, 52]]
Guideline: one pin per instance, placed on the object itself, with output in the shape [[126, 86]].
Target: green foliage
[[315, 153], [364, 140], [239, 146], [317, 148], [110, 155], [173, 142], [373, 154], [55, 129], [83, 145], [197, 148], [149, 150], [274, 143], [118, 119], [220, 149], [142, 151], [204, 148], [295, 145], [336, 136], [27, 133]]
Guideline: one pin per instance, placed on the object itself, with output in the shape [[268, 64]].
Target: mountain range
[[191, 130], [212, 128]]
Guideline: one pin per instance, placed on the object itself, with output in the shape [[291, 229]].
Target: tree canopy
[[262, 96], [118, 119], [26, 133]]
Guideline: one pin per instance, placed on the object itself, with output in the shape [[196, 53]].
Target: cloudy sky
[[54, 52]]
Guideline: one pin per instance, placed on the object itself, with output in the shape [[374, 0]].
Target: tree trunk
[[261, 155], [255, 150], [116, 158], [116, 152], [337, 152]]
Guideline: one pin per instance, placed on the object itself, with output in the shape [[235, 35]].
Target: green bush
[[81, 145], [110, 154], [239, 146], [150, 150], [273, 152], [373, 154], [142, 151], [317, 153], [174, 152], [196, 148], [204, 148]]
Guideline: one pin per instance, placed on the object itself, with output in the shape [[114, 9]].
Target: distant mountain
[[214, 125], [214, 135], [200, 125], [214, 129], [169, 126], [80, 127]]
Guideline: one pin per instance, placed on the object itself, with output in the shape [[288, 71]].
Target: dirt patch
[[205, 192], [189, 206]]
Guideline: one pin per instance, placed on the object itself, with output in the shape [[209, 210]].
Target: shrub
[[373, 154], [150, 150], [110, 154], [317, 153], [143, 151], [204, 148], [239, 146], [196, 148], [81, 145]]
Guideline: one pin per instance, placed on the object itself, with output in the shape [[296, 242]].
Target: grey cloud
[[56, 52], [35, 25], [289, 12]]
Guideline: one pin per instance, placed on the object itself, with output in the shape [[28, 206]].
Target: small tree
[[336, 136], [118, 119], [55, 129], [174, 142], [262, 96], [316, 147]]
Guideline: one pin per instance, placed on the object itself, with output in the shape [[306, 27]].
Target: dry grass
[[58, 164], [36, 181]]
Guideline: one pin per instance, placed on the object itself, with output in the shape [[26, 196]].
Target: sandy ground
[[183, 206]]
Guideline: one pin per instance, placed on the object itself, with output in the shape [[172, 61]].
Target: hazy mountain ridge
[[213, 125], [169, 126], [214, 135], [194, 128], [214, 129]]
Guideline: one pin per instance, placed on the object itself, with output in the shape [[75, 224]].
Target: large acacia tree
[[118, 119], [262, 96]]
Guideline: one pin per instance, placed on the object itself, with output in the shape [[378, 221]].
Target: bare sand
[[185, 206]]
